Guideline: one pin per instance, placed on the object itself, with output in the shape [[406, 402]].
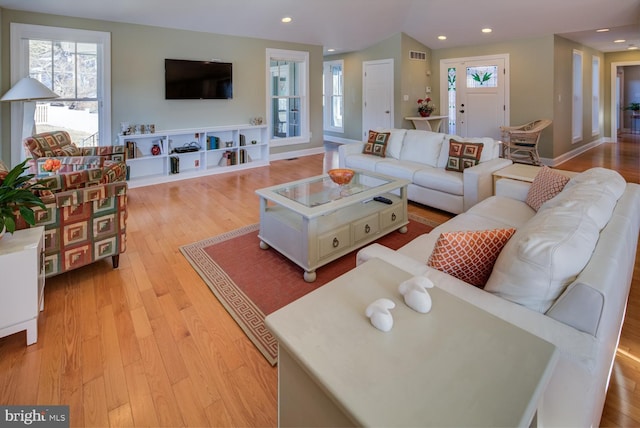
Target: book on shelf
[[175, 164]]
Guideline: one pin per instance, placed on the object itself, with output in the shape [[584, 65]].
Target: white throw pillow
[[394, 145], [544, 256], [422, 146]]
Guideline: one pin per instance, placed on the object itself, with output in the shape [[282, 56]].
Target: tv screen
[[195, 80]]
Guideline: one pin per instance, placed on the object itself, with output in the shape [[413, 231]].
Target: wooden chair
[[520, 143]]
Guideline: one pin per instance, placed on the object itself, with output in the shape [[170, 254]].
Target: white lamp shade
[[28, 89]]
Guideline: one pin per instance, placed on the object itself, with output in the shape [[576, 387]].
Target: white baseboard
[[296, 153], [575, 152], [340, 140]]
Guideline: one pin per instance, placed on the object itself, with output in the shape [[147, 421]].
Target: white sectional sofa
[[564, 276], [421, 157]]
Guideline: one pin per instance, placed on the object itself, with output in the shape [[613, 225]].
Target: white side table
[[22, 284], [523, 172]]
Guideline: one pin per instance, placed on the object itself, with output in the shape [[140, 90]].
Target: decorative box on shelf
[[187, 153]]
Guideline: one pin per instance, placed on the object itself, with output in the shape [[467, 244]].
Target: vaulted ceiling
[[348, 25]]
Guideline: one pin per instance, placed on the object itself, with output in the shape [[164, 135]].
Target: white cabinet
[[21, 282], [187, 153]]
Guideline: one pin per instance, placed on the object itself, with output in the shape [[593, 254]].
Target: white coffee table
[[313, 222], [455, 366]]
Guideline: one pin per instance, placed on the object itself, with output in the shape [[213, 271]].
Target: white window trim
[[595, 96], [20, 34], [577, 97], [328, 89], [300, 56]]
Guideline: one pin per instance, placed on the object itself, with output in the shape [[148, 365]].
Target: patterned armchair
[[58, 145], [84, 217]]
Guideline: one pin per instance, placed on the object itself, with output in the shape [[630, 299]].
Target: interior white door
[[377, 98], [477, 91]]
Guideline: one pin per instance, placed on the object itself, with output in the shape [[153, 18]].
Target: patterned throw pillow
[[469, 256], [546, 184], [376, 144], [463, 155]]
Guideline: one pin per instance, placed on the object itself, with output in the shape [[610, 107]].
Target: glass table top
[[322, 190]]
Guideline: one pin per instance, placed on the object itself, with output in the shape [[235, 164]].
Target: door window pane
[[451, 91], [482, 77]]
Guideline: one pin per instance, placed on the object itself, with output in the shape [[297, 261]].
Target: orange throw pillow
[[469, 256], [546, 184]]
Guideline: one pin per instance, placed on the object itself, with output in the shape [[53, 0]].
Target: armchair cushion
[[48, 144]]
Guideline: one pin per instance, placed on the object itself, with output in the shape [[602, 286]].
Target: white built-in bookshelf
[[188, 153]]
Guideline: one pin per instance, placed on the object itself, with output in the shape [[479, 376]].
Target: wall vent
[[417, 55]]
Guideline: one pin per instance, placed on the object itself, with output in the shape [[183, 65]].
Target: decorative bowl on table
[[341, 176]]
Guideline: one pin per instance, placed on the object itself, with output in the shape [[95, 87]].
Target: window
[[333, 99], [287, 102], [482, 77], [595, 95], [75, 64], [576, 133]]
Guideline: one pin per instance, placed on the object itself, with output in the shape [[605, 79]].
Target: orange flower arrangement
[[51, 165]]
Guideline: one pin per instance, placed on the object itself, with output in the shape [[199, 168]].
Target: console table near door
[[431, 123], [454, 366]]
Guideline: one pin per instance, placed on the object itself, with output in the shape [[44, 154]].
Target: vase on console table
[[424, 114]]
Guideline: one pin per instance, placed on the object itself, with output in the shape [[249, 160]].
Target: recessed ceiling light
[[442, 37], [602, 30], [331, 50], [487, 30], [632, 48], [619, 41], [287, 19]]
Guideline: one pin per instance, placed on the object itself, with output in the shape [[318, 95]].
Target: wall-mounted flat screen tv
[[197, 80]]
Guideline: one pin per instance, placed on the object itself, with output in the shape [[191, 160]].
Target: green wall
[[410, 78], [137, 75], [531, 79]]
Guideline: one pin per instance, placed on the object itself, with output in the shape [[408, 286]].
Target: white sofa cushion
[[439, 179], [596, 190], [422, 146], [544, 256], [362, 161], [394, 145], [611, 180], [398, 169]]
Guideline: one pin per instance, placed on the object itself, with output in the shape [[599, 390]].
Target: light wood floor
[[148, 345]]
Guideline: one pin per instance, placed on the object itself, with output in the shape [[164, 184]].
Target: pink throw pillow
[[546, 184]]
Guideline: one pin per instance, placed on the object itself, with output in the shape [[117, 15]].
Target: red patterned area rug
[[251, 283]]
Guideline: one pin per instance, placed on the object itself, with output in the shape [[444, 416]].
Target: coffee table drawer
[[391, 216], [333, 241], [366, 227]]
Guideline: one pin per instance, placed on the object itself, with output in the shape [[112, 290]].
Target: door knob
[[461, 111], [387, 111]]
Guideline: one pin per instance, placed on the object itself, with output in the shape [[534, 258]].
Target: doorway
[[617, 96], [377, 95], [475, 95]]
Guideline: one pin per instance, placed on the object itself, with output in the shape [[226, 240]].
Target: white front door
[[475, 95], [377, 98]]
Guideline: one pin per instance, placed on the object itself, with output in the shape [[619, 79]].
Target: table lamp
[[28, 90]]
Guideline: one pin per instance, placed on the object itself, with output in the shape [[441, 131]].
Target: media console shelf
[[187, 153]]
